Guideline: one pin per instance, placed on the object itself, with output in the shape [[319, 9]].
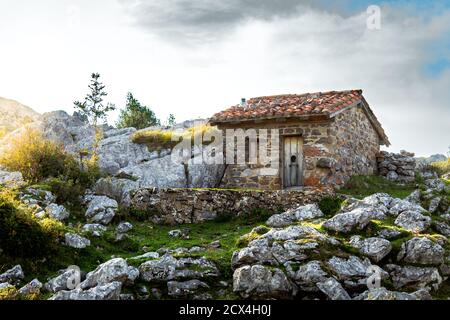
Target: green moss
[[330, 205]]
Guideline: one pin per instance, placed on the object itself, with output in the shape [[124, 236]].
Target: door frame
[[301, 162]]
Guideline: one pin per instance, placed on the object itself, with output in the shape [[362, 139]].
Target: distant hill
[[424, 161], [13, 115]]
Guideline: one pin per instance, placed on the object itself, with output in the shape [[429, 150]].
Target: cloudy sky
[[196, 57]]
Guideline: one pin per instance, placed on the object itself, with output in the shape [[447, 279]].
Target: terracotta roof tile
[[290, 106]]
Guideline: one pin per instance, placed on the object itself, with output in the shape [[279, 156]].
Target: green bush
[[37, 158], [441, 167], [330, 205], [20, 235]]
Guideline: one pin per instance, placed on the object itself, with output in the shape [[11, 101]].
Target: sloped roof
[[302, 106]]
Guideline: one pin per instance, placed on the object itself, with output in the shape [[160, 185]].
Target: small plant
[[330, 205]]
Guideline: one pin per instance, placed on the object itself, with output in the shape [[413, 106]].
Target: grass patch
[[363, 186], [166, 139]]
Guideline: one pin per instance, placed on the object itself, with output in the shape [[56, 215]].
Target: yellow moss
[[9, 293], [162, 139]]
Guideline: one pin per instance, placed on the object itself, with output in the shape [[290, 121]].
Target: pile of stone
[[397, 166], [300, 257]]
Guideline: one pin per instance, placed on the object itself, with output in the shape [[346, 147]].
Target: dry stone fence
[[397, 166]]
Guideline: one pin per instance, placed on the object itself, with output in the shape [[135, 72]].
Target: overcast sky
[[196, 57]]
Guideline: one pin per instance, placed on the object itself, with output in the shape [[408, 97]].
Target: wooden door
[[293, 161]]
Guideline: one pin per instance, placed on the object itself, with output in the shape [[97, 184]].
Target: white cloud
[[47, 64]]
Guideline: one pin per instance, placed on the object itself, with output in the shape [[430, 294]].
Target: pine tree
[[93, 107], [136, 115], [171, 120]]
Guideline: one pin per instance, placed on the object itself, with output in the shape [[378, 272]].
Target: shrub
[[136, 115], [20, 235], [162, 139], [330, 205], [441, 167], [37, 158]]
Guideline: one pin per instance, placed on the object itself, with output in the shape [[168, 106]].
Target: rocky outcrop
[[110, 271], [12, 275], [119, 156], [109, 291], [397, 166], [176, 206], [76, 241], [11, 179], [101, 209], [301, 258]]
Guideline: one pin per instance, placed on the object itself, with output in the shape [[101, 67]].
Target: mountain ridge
[[14, 114]]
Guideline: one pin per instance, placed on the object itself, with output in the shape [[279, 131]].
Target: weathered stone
[[184, 289], [374, 248], [11, 179], [76, 241], [57, 212], [388, 233], [384, 294], [109, 291], [95, 229], [443, 228], [398, 206], [414, 278], [392, 176], [349, 269], [326, 163], [118, 189], [113, 270], [307, 276], [333, 289], [101, 209], [413, 221], [356, 219], [292, 233], [421, 251], [169, 268], [414, 197], [310, 211], [12, 275], [67, 280], [258, 281], [124, 227], [33, 287], [434, 204], [258, 252]]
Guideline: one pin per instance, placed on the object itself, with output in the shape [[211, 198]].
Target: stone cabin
[[324, 138]]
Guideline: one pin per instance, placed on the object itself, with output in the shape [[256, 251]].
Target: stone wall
[[397, 166], [177, 206], [356, 148]]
